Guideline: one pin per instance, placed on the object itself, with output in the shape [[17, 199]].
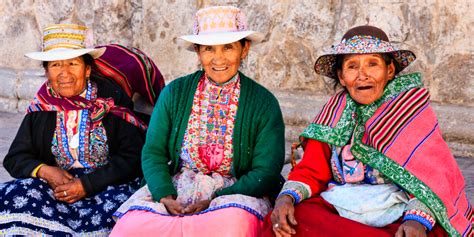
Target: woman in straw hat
[[76, 155], [215, 145], [375, 163]]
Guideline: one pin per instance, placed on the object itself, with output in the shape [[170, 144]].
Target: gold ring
[[65, 193]]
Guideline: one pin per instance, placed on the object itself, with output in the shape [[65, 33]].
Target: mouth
[[220, 69], [363, 88]]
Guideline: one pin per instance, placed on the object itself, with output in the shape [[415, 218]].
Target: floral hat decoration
[[362, 40], [66, 41], [220, 25]]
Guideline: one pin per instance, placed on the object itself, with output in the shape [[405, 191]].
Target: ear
[[245, 50], [391, 71], [88, 71], [196, 49], [339, 76]]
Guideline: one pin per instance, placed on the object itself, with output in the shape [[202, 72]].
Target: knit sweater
[[258, 139]]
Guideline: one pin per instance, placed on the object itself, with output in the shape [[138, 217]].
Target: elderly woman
[[375, 163], [215, 146], [76, 155]]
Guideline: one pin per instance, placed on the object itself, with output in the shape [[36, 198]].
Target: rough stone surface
[[29, 82], [8, 81], [296, 33]]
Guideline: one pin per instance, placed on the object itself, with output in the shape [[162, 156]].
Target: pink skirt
[[229, 221]]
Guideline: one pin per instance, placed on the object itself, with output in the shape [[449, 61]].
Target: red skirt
[[316, 217]]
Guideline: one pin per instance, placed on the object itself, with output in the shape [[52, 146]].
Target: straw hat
[[362, 40], [220, 25], [65, 41]]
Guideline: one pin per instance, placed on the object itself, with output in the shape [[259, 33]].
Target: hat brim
[[220, 38], [325, 65], [64, 54]]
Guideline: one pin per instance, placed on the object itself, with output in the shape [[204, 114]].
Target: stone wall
[[296, 32]]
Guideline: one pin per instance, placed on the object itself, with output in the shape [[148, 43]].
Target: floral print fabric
[[28, 207]]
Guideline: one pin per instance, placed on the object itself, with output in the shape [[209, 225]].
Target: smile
[[220, 68]]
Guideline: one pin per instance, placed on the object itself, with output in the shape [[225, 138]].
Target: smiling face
[[365, 76], [68, 77], [221, 62]]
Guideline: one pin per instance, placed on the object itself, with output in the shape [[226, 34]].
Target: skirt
[[316, 217], [228, 215], [28, 207]]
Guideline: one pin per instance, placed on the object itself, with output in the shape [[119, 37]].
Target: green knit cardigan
[[258, 139]]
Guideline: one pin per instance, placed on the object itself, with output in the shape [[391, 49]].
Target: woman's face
[[221, 62], [365, 76], [68, 77]]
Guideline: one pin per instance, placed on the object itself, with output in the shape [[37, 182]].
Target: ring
[[65, 193], [276, 225]]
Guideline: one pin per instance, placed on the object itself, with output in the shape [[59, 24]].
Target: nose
[[363, 73], [218, 57]]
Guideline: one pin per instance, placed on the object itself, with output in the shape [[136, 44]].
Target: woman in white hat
[[375, 163], [215, 146], [76, 156]]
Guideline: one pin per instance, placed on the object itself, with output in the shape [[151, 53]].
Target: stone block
[[8, 104], [8, 79], [29, 82], [22, 106]]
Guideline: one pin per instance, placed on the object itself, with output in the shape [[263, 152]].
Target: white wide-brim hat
[[66, 41], [220, 25]]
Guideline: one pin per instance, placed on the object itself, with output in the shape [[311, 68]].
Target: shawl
[[132, 69], [399, 135], [47, 100]]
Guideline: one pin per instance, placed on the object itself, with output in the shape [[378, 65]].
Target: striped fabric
[[399, 136], [47, 100], [133, 70], [385, 128], [331, 111]]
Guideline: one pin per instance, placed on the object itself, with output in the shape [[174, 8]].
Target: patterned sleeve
[[311, 175], [418, 211], [298, 191]]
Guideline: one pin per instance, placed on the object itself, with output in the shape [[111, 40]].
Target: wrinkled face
[[68, 77], [365, 76], [221, 62]]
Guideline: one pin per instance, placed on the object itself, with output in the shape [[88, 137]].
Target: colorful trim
[[373, 157], [142, 208], [360, 44], [420, 216], [298, 190]]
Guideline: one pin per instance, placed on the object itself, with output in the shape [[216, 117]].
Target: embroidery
[[298, 190], [207, 144]]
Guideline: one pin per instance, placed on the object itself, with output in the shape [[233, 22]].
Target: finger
[[291, 216], [68, 175], [399, 232], [281, 232]]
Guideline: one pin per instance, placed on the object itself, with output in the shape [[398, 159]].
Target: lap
[[316, 217]]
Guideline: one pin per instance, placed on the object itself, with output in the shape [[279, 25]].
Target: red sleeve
[[314, 169]]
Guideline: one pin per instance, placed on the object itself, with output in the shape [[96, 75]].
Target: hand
[[411, 229], [173, 206], [197, 207], [74, 190], [283, 217], [54, 176]]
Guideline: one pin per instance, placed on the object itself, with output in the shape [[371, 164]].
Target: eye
[[228, 47], [54, 64], [351, 66], [207, 48], [373, 63]]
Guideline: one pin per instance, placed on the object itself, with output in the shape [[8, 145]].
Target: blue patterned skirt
[[28, 207]]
